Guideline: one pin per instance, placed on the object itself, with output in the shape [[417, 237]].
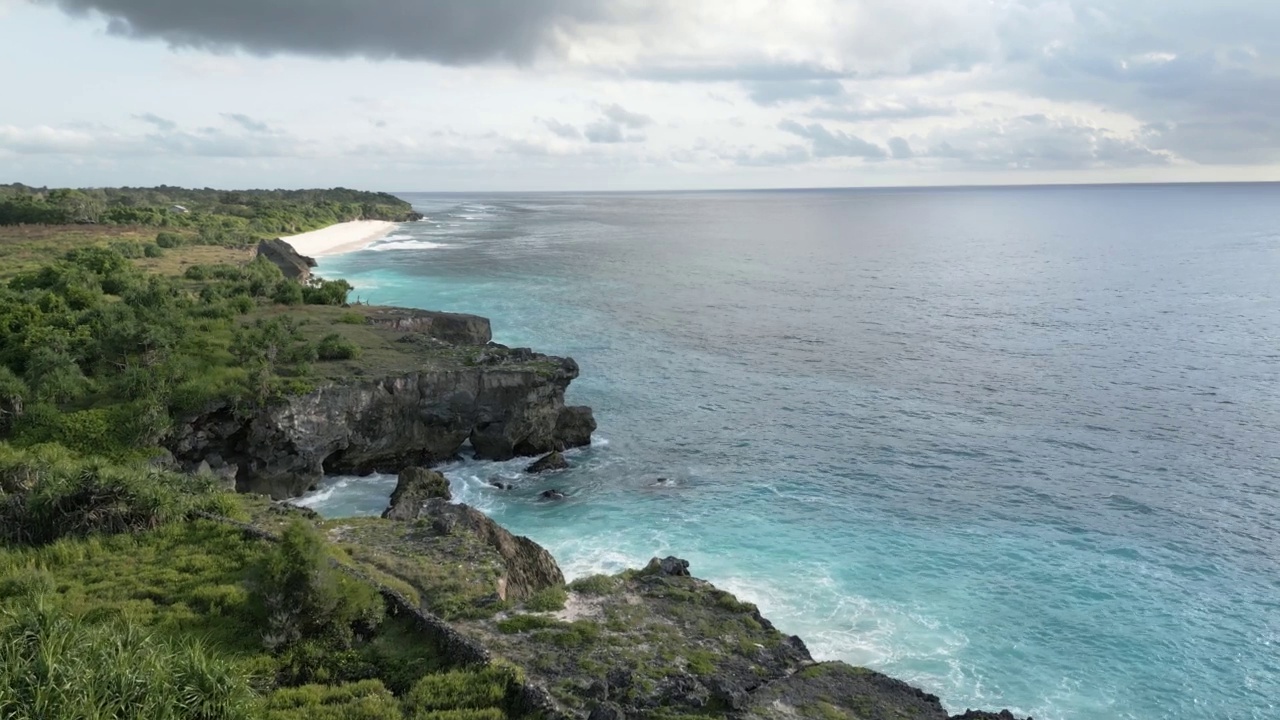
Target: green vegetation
[[548, 600], [133, 607], [210, 212], [55, 664]]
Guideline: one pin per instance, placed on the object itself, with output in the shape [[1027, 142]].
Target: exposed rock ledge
[[644, 643], [505, 402]]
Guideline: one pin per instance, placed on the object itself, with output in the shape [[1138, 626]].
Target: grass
[[28, 247], [183, 591]]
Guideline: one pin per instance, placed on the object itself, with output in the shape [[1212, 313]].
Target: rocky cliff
[[505, 402], [655, 642]]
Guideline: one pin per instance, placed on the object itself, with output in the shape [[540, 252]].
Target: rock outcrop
[[414, 488], [453, 328], [548, 463], [529, 568], [575, 425], [294, 265], [361, 425]]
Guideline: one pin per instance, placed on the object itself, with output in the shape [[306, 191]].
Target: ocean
[[1017, 446]]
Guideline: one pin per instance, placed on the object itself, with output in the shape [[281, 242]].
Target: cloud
[[827, 143], [156, 120], [440, 31], [774, 92], [1038, 142], [899, 148], [754, 71], [603, 131], [166, 139], [862, 108], [626, 118], [564, 130], [247, 123]]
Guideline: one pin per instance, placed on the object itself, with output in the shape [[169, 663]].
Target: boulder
[[529, 567], [452, 328], [414, 487], [548, 463], [574, 426], [294, 265], [551, 495], [845, 691], [667, 567]]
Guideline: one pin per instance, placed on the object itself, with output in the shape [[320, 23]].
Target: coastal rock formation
[[414, 488], [453, 328], [527, 567], [366, 424], [294, 265], [575, 425], [548, 463]]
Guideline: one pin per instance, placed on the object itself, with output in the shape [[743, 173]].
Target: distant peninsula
[[171, 372]]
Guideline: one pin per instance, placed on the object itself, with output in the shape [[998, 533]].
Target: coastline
[[341, 238]]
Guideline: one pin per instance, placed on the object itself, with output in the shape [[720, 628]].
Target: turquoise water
[[1016, 446]]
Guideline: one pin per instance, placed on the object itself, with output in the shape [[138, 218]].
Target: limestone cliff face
[[510, 403]]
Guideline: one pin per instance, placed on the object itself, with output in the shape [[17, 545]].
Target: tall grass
[[56, 665], [53, 494]]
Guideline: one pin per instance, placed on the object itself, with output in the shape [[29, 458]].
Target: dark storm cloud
[[444, 31], [834, 143]]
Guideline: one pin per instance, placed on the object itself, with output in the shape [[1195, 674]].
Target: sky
[[468, 95]]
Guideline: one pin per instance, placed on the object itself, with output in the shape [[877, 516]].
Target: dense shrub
[[153, 251], [55, 494], [366, 700], [288, 293], [461, 690], [328, 292], [336, 347], [56, 665], [170, 240], [302, 596], [547, 600]]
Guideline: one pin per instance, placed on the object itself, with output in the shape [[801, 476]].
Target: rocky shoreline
[[649, 643]]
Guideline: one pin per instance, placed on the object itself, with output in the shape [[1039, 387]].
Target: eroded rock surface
[[548, 463], [414, 488], [360, 425], [454, 328], [294, 265]]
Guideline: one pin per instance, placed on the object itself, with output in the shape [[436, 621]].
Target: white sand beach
[[340, 238]]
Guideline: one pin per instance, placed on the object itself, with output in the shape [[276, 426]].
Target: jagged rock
[[529, 567], [574, 426], [452, 328], [551, 495], [838, 690], [224, 474], [500, 485], [667, 567], [360, 425], [294, 265], [414, 487], [547, 463], [606, 711]]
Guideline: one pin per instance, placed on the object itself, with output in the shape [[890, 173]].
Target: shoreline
[[340, 238]]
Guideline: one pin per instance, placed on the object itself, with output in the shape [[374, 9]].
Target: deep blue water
[[1017, 446]]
